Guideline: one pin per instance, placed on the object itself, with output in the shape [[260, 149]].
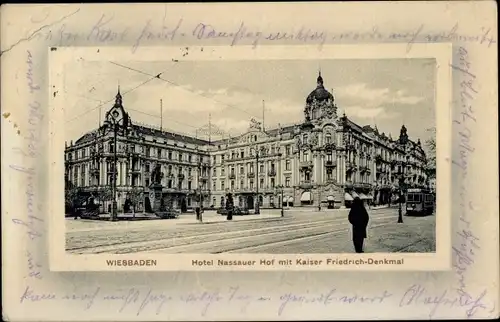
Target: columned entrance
[[250, 202]]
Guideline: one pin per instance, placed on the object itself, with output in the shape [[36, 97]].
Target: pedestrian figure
[[358, 217], [229, 206]]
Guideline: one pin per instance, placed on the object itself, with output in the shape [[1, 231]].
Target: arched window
[[328, 138], [315, 113]]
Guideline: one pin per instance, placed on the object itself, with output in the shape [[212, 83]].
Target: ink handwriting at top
[[110, 30], [39, 31], [149, 33]]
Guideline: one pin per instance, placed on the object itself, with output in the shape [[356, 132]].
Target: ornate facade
[[325, 159]]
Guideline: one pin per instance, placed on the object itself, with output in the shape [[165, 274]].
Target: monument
[[155, 194]]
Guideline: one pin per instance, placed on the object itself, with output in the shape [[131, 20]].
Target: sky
[[383, 92]]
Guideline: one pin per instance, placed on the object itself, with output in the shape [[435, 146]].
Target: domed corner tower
[[320, 103]]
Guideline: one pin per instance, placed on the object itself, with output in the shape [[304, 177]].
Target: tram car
[[420, 202]]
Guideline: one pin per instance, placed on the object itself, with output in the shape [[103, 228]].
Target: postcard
[[284, 162], [273, 170]]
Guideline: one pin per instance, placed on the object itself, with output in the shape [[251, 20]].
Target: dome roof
[[320, 93]]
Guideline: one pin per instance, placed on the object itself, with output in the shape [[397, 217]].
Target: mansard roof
[[145, 130]]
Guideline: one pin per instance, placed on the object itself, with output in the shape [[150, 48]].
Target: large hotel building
[[326, 158]]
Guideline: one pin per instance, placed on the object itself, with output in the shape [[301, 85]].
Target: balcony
[[331, 180], [94, 171], [204, 178], [181, 176], [232, 176], [271, 173], [135, 171], [360, 185], [306, 165], [330, 163], [306, 184], [251, 175]]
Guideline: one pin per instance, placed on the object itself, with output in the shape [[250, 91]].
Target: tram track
[[196, 235], [226, 245], [284, 242], [203, 234]]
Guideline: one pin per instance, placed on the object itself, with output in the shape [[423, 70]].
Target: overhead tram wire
[[106, 102], [177, 85], [131, 109], [128, 91]]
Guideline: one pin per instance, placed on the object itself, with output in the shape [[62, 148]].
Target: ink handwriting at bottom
[[207, 299], [419, 295], [329, 298], [159, 299]]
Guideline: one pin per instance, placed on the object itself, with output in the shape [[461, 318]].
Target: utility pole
[[209, 159], [257, 207], [401, 183]]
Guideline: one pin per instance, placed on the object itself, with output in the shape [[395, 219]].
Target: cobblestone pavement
[[301, 231]]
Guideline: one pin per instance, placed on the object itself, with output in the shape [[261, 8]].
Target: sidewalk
[[415, 234], [213, 217], [150, 220]]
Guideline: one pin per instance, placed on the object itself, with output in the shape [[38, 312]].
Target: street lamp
[[112, 123], [281, 186], [200, 197], [257, 156], [401, 173]]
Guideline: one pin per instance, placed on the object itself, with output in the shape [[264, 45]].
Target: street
[[301, 230]]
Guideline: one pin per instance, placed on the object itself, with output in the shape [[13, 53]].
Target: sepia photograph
[[296, 156]]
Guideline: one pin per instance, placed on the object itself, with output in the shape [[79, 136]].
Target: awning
[[290, 199], [354, 194], [369, 196], [362, 196], [348, 197], [306, 196], [330, 198]]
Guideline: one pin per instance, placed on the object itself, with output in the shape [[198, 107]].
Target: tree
[[135, 196], [430, 145], [105, 194], [73, 197]]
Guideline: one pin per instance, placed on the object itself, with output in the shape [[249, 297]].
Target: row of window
[[149, 152], [251, 185], [234, 154]]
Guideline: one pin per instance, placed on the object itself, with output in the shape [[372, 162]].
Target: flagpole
[[209, 128], [161, 114], [209, 183], [263, 114]]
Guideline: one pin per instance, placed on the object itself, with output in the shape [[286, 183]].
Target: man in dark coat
[[229, 206], [358, 217]]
